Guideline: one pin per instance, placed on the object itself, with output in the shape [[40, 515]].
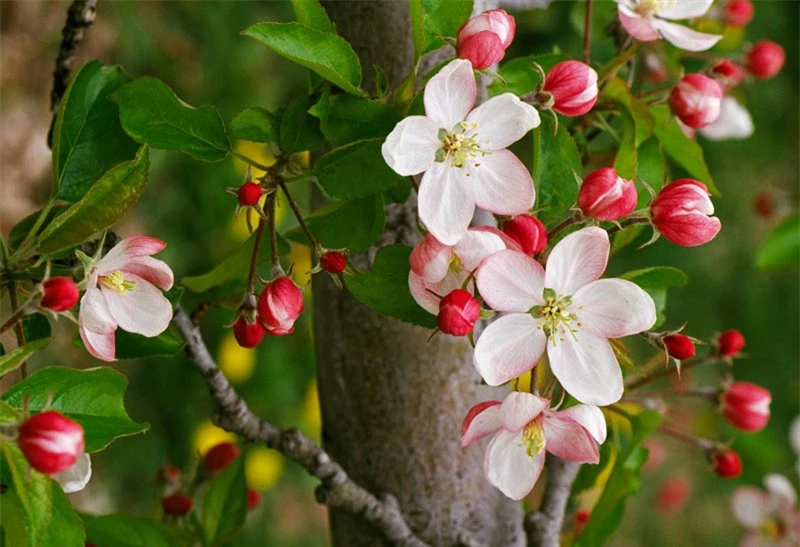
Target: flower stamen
[[116, 282], [533, 438]]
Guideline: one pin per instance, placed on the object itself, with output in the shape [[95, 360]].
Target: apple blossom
[[765, 59], [279, 306], [50, 442], [696, 100], [679, 346], [771, 517], [528, 231], [463, 153], [734, 122], [458, 311], [746, 406], [122, 291], [729, 343], [604, 195], [726, 462], [681, 213], [566, 310], [648, 20], [738, 12], [573, 86], [524, 427], [483, 39], [60, 294]]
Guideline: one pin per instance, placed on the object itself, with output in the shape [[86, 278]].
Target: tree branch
[[544, 526], [336, 490]]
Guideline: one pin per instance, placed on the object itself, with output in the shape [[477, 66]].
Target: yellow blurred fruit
[[236, 362], [311, 413], [207, 435], [300, 256], [256, 151], [263, 467]]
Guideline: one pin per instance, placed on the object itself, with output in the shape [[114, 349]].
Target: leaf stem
[[31, 235], [587, 32], [277, 270], [250, 161], [262, 224]]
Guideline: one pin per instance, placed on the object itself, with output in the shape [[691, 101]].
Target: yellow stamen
[[116, 282], [533, 437]]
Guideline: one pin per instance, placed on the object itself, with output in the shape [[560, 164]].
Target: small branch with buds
[[543, 527]]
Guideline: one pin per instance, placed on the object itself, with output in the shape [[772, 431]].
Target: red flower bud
[[177, 504], [574, 87], [50, 441], [60, 294], [249, 193], [248, 335], [696, 100], [681, 213], [458, 312], [253, 499], [730, 343], [528, 231], [679, 346], [765, 59], [279, 306], [581, 518], [483, 39], [673, 495], [333, 262], [726, 462], [764, 204], [746, 406], [220, 456], [169, 474], [738, 12], [605, 195], [728, 74]]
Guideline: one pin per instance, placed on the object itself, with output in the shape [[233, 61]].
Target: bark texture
[[392, 402]]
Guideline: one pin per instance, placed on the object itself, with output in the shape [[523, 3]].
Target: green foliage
[[354, 225], [518, 76], [355, 170], [345, 118], [225, 504], [255, 124], [433, 19], [88, 139], [130, 531], [34, 492], [91, 397], [300, 130], [8, 414], [36, 326], [65, 528], [781, 248], [652, 169], [152, 114], [626, 162], [135, 346], [21, 228], [12, 361], [555, 161], [384, 287], [655, 281], [311, 14]]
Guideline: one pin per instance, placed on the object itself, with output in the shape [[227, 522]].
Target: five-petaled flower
[[647, 20], [771, 517]]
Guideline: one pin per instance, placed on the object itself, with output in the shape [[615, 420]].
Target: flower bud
[[681, 213], [679, 346], [458, 312], [220, 456], [696, 100], [604, 195], [60, 294], [168, 475], [247, 334], [253, 499], [177, 504], [529, 233], [50, 441], [738, 12], [764, 204], [729, 343], [574, 87], [765, 59], [249, 193], [726, 462], [728, 74], [746, 406], [483, 39], [279, 306], [333, 262]]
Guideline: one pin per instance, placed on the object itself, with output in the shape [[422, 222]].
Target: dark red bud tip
[[89, 544], [727, 463], [220, 456], [730, 343], [248, 335], [458, 312], [679, 346], [253, 499], [333, 262], [528, 231], [177, 504], [60, 294], [249, 193]]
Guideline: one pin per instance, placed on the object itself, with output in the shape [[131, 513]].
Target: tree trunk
[[392, 402]]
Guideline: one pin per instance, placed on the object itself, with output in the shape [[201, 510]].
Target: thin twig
[[587, 31], [18, 330], [251, 281], [667, 372], [299, 216]]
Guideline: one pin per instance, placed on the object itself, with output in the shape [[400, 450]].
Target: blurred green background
[[195, 48]]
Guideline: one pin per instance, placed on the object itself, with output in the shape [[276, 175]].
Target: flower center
[[555, 317], [456, 265], [457, 146], [116, 282], [652, 7], [533, 439], [771, 528]]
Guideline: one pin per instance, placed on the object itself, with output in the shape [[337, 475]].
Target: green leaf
[[106, 202], [300, 130], [8, 414], [12, 361], [34, 491], [311, 14], [91, 397], [136, 346], [325, 53], [130, 531], [21, 228], [255, 124], [683, 150], [12, 527], [88, 139], [655, 281], [354, 225], [626, 162], [555, 159], [384, 287], [65, 528], [152, 114], [36, 326], [431, 19], [225, 505], [355, 170], [652, 169], [781, 248], [645, 123], [518, 76], [348, 118]]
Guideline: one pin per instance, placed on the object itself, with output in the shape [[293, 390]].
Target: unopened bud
[[604, 195], [333, 262], [726, 462], [679, 346], [253, 498], [248, 334], [483, 39], [177, 504], [279, 306], [738, 12], [458, 312], [681, 213], [60, 294], [249, 193], [729, 343], [50, 442], [220, 456], [574, 87], [765, 59], [746, 406], [696, 100], [529, 233]]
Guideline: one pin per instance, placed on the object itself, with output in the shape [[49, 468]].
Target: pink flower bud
[[483, 39], [60, 294], [51, 442], [177, 504], [679, 346], [746, 406], [253, 499], [726, 462], [729, 74], [220, 456], [249, 193], [765, 59], [458, 312], [673, 495], [605, 195], [248, 335], [529, 233], [681, 213], [279, 306], [738, 12], [696, 100], [333, 262], [730, 343], [574, 87]]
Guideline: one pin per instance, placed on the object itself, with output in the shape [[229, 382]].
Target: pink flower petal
[[568, 440], [750, 506], [94, 313], [422, 296], [143, 310], [615, 308], [586, 368], [511, 281], [128, 248], [411, 146], [482, 419], [638, 27], [686, 38], [508, 467], [509, 347], [781, 491], [503, 120], [100, 345], [502, 184], [577, 260], [445, 202], [477, 245], [684, 10], [152, 270], [431, 259], [520, 408], [591, 418], [450, 95]]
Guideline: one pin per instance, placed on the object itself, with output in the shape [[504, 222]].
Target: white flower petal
[[422, 296], [128, 248], [750, 506], [430, 259], [734, 122], [637, 26], [586, 368], [475, 246], [143, 310], [502, 184], [684, 9], [781, 491], [503, 120], [686, 38], [520, 408], [508, 467], [450, 95], [445, 202], [100, 345], [577, 260], [411, 146], [511, 281], [94, 313], [591, 418], [76, 477], [509, 347], [482, 419], [614, 308], [568, 439], [152, 270]]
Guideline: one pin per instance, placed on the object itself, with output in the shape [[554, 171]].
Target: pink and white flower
[[124, 291], [483, 39], [771, 517], [567, 310], [648, 20], [463, 153], [524, 427]]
